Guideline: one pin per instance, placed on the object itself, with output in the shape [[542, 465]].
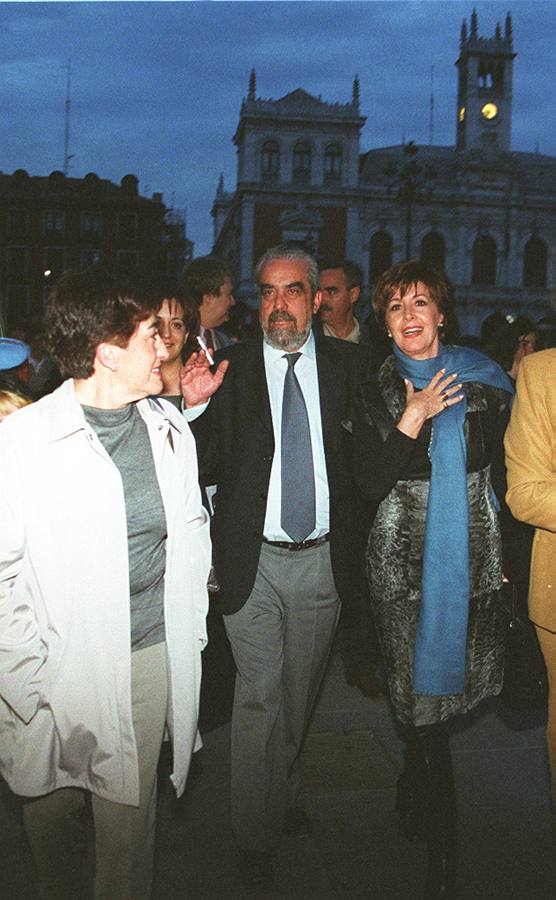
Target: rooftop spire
[[252, 85], [463, 35], [508, 29], [474, 24], [355, 92], [498, 32]]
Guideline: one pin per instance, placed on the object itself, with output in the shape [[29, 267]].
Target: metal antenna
[[67, 154], [431, 109]]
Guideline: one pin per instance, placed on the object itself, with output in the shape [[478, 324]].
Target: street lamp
[[412, 182]]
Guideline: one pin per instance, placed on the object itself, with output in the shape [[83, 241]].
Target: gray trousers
[[124, 835], [281, 640]]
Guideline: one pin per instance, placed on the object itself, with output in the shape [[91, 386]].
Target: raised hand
[[438, 395], [198, 383]]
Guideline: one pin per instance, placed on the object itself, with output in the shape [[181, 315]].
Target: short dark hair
[[404, 275], [87, 308], [169, 289], [546, 332], [507, 339], [204, 275], [490, 326], [352, 272]]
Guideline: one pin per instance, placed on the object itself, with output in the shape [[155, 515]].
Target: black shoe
[[440, 883], [297, 823], [254, 866]]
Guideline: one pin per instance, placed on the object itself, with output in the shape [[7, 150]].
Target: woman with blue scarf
[[428, 432]]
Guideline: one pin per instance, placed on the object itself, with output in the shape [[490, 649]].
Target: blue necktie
[[298, 477]]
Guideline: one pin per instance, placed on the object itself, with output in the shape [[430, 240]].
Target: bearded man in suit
[[285, 535]]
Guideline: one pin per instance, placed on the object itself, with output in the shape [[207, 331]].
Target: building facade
[[484, 214], [49, 224]]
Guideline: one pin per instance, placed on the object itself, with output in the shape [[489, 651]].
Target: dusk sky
[[157, 87]]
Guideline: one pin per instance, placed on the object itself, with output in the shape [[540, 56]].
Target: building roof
[[443, 164], [300, 103], [57, 185]]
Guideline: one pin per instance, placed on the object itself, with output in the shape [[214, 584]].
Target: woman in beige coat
[[531, 461]]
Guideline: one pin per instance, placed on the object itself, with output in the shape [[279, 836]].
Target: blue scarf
[[441, 640]]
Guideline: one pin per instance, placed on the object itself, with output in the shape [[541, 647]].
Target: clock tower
[[484, 109]]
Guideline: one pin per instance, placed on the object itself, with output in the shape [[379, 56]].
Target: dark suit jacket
[[236, 447], [371, 336]]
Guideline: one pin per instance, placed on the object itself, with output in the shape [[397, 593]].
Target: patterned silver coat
[[394, 472]]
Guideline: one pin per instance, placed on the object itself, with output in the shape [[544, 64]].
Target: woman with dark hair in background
[[426, 429], [178, 325]]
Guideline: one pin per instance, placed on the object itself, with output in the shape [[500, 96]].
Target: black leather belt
[[303, 545]]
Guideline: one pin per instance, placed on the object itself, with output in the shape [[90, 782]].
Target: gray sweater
[[124, 436]]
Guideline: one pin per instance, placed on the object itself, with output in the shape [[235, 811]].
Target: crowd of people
[[309, 470]]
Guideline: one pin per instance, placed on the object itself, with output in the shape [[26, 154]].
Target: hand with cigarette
[[198, 382]]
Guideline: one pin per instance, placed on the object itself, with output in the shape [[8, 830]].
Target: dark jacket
[[372, 337], [393, 471], [381, 402], [236, 446]]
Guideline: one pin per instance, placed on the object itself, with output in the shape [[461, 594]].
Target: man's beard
[[282, 338]]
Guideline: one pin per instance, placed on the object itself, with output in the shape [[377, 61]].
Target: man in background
[[207, 283], [340, 283]]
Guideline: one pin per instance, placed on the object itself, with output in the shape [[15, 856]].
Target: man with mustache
[[285, 536], [340, 285]]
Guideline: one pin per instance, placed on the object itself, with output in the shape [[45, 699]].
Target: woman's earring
[[389, 333], [440, 325]]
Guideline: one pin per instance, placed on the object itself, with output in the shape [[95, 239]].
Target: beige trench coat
[[65, 658], [531, 461]]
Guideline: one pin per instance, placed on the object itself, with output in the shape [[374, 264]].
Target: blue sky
[[157, 87]]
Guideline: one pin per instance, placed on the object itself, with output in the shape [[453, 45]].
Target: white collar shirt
[[276, 366]]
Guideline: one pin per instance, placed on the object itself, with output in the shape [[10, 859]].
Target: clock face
[[489, 111], [461, 114]]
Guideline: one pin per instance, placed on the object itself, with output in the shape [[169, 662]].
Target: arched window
[[270, 161], [302, 163], [381, 255], [484, 260], [433, 250], [332, 164], [535, 257]]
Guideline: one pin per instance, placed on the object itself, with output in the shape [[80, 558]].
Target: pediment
[[301, 100], [300, 217]]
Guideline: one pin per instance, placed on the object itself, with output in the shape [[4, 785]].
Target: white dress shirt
[[276, 366]]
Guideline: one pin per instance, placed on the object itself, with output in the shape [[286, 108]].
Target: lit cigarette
[[205, 349]]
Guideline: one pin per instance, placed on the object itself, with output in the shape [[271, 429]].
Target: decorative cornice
[[301, 103]]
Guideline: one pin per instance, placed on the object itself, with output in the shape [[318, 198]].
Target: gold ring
[[445, 404]]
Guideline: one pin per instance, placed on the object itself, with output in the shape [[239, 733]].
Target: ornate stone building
[[482, 212]]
